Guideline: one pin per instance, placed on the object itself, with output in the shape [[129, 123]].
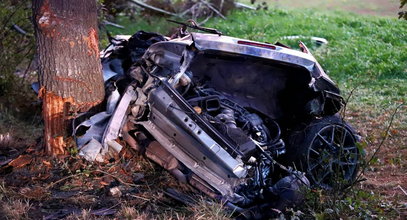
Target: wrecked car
[[245, 122]]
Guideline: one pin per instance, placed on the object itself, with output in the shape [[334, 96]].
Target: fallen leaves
[[21, 161], [35, 192], [63, 187], [46, 163]]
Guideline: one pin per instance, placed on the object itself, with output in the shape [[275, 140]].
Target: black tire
[[326, 151]]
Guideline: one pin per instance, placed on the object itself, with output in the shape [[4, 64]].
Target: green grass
[[371, 7], [365, 53]]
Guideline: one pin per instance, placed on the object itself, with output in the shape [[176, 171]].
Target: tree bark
[[70, 72]]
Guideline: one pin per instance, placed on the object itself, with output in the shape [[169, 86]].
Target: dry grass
[[205, 210], [15, 209], [11, 206], [131, 213], [84, 215], [3, 190], [83, 200]]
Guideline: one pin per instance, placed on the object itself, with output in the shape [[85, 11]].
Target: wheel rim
[[332, 157]]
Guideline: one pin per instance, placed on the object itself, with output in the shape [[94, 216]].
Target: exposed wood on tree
[[69, 67]]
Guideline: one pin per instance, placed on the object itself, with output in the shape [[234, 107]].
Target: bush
[[16, 43]]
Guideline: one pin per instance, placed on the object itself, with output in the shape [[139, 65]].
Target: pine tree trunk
[[69, 67]]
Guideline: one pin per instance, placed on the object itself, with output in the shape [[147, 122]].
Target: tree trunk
[[70, 72]]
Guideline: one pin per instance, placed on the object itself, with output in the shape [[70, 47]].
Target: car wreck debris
[[228, 116]]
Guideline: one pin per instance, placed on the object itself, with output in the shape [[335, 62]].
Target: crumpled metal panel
[[89, 144], [111, 133], [95, 127]]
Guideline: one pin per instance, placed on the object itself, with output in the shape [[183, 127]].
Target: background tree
[[70, 73], [16, 49]]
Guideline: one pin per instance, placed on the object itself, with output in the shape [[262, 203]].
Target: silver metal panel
[[118, 118], [230, 44], [162, 103], [225, 188]]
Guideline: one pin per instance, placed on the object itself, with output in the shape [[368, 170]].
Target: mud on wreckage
[[231, 117]]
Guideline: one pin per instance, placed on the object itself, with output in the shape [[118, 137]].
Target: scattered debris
[[112, 24], [115, 192], [5, 139], [319, 41], [244, 6], [401, 188], [5, 162], [144, 5], [191, 9]]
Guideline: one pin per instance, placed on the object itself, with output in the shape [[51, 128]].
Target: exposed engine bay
[[220, 114]]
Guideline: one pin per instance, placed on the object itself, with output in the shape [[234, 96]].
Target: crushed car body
[[242, 121]]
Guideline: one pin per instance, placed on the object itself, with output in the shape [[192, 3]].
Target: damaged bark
[[70, 72]]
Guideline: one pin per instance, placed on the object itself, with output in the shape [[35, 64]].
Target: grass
[[356, 204], [204, 209], [364, 52], [12, 207], [16, 209], [371, 7], [17, 131]]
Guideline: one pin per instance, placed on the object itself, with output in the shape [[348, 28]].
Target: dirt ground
[[387, 174], [35, 186]]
